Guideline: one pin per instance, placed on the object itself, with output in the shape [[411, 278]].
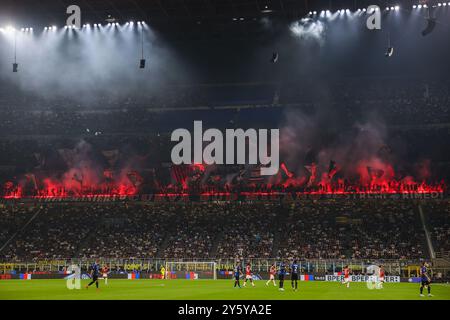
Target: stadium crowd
[[342, 229], [310, 229]]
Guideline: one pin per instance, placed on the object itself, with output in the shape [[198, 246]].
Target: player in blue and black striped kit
[[237, 273], [95, 272], [425, 279], [294, 275]]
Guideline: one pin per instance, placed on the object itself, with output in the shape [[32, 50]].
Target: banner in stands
[[244, 196], [359, 278], [29, 276]]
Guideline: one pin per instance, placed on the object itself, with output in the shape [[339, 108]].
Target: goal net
[[191, 270]]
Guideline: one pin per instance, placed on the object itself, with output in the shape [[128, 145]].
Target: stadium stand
[[438, 214], [325, 229]]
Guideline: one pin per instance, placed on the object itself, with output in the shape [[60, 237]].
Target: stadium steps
[[277, 233], [162, 248], [427, 234], [276, 243], [215, 244], [85, 241]]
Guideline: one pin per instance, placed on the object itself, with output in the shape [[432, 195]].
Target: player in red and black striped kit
[[248, 275]]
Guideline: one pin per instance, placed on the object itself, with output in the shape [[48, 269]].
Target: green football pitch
[[211, 290]]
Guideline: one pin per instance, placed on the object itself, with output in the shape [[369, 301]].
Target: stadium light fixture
[[397, 8], [414, 6], [419, 6]]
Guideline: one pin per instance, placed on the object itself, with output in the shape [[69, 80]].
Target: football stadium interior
[[92, 93]]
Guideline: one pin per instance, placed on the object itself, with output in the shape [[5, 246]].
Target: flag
[[286, 171], [332, 169], [135, 178], [180, 173], [375, 173], [108, 174], [111, 156], [40, 159], [32, 178], [78, 178], [312, 169]]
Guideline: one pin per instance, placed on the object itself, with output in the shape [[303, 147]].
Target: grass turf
[[119, 289]]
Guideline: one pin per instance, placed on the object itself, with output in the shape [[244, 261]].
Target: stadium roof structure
[[48, 12]]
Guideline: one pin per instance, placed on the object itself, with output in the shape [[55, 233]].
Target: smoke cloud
[[308, 29]]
